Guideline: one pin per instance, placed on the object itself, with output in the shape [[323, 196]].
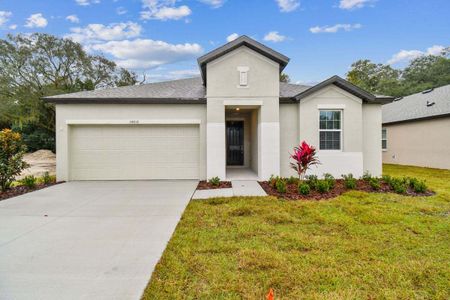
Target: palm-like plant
[[304, 157]]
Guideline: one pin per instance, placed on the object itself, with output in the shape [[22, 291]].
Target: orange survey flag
[[270, 295]]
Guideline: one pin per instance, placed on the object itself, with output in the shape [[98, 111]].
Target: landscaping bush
[[36, 138], [215, 181], [375, 183], [12, 150], [312, 180], [29, 181], [304, 157], [398, 185], [293, 180], [304, 189], [387, 179], [281, 186], [366, 176], [418, 186], [323, 186], [349, 181], [47, 178], [330, 179]]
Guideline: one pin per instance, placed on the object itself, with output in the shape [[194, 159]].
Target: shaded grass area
[[356, 246]]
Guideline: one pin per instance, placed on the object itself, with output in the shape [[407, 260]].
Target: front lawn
[[355, 246]]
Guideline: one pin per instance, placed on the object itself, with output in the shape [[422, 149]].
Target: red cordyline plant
[[304, 157]]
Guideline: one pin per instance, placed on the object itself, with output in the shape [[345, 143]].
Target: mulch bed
[[204, 185], [20, 190], [339, 189]]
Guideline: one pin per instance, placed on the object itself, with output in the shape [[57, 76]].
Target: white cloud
[[288, 5], [73, 19], [274, 36], [352, 4], [98, 32], [87, 2], [147, 53], [335, 28], [163, 10], [408, 55], [214, 3], [13, 27], [4, 17], [121, 10], [232, 37], [36, 20], [157, 75]]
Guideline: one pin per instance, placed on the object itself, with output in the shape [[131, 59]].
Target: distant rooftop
[[427, 104]]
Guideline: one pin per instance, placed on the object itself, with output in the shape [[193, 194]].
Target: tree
[[12, 150], [422, 73], [38, 65], [285, 78]]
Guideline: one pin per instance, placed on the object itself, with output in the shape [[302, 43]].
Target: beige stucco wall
[[123, 114], [420, 143], [372, 139], [262, 93], [289, 136]]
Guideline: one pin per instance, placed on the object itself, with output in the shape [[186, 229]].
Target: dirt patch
[[20, 190], [40, 162], [339, 189], [204, 185]]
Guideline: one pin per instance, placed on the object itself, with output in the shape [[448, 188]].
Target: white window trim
[[385, 139], [341, 144]]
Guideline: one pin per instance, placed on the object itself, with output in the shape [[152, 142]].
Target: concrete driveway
[[87, 240]]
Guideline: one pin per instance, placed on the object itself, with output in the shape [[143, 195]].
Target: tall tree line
[[38, 65]]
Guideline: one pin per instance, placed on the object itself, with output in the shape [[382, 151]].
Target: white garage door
[[134, 152]]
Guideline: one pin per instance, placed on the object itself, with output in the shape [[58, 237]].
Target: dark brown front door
[[235, 143]]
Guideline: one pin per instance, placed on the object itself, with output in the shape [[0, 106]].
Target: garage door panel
[[121, 152]]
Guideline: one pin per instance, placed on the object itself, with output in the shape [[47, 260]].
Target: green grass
[[356, 246]]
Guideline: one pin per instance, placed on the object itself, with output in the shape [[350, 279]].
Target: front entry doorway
[[235, 143]]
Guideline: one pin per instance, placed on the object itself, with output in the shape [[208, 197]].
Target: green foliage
[[375, 183], [281, 186], [285, 78], [323, 186], [422, 73], [29, 181], [293, 180], [311, 180], [330, 179], [38, 65], [47, 178], [215, 181], [12, 150], [399, 185], [419, 186], [273, 181], [36, 138], [387, 179], [366, 176], [349, 181], [304, 189]]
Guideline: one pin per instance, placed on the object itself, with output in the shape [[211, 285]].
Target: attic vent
[[398, 98], [430, 103], [427, 91]]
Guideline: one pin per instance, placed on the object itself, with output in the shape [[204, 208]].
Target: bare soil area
[[40, 162]]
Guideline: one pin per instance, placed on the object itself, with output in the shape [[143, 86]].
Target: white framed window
[[330, 129], [243, 76], [384, 138]]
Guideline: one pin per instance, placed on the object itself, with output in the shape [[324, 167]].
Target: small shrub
[[387, 179], [12, 150], [47, 178], [366, 176], [293, 180], [312, 180], [349, 181], [375, 183], [304, 157], [398, 185], [215, 181], [304, 189], [330, 179], [419, 186], [281, 186], [273, 181], [29, 181], [323, 186]]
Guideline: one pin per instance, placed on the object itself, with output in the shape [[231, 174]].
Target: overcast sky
[[163, 38]]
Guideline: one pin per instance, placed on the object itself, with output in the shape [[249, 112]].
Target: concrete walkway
[[87, 240], [239, 188]]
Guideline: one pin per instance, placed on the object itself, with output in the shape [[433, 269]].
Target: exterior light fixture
[[238, 109]]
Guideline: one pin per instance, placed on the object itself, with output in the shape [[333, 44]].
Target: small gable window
[[243, 76]]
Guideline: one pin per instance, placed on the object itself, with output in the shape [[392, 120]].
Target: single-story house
[[237, 119], [416, 129]]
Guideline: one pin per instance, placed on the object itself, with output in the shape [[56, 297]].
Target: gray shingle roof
[[415, 106]]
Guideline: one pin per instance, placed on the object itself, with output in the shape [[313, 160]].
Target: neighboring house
[[416, 129], [236, 117]]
